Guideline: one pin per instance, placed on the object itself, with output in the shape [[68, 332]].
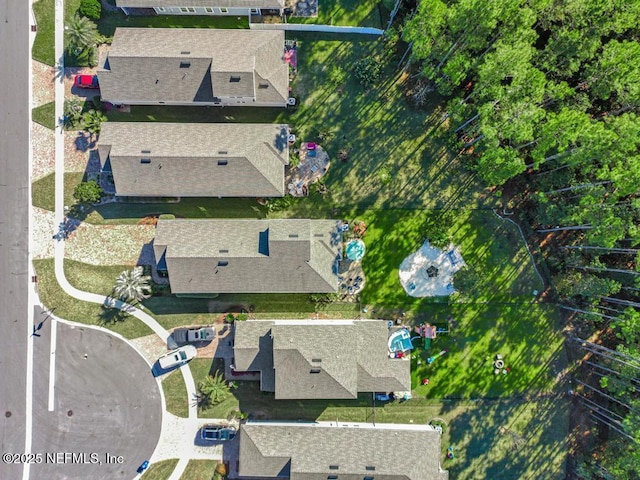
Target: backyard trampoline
[[355, 250]]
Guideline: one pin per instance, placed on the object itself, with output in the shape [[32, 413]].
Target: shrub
[[368, 71], [72, 112], [87, 57], [97, 102], [88, 192], [90, 8]]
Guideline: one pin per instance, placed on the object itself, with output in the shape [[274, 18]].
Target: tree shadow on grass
[[510, 439], [111, 315]]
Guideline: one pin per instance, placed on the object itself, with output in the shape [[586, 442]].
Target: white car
[[177, 357], [197, 334]]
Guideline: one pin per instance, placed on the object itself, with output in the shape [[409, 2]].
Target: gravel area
[[42, 242], [43, 143], [80, 153], [43, 83], [111, 244]]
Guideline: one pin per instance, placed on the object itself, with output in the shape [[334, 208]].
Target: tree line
[[543, 99]]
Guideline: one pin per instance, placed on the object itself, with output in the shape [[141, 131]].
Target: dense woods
[[543, 99]]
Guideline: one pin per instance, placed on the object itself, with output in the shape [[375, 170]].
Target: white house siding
[[230, 11], [224, 102]]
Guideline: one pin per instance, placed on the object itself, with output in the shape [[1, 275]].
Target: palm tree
[[81, 34], [213, 389], [132, 285], [93, 122], [72, 112]]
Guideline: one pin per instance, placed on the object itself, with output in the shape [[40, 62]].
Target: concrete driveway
[[107, 410]]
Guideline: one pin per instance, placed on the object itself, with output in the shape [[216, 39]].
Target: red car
[[86, 81]]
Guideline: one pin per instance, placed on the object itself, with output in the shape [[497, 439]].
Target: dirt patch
[[148, 221]]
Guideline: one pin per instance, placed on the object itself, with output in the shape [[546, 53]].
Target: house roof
[[191, 65], [346, 357], [253, 351], [195, 159], [308, 451], [201, 3], [259, 256]]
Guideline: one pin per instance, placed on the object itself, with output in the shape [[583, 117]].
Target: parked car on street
[[218, 433], [86, 81], [197, 334], [177, 357]]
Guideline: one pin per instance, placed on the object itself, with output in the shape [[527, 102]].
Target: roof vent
[[316, 360], [185, 53], [222, 152], [293, 235], [145, 151], [318, 235], [370, 468], [333, 467], [224, 251]]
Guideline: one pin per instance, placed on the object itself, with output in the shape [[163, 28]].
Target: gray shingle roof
[[201, 3], [252, 351], [320, 359], [185, 158], [308, 450], [251, 256], [191, 65]]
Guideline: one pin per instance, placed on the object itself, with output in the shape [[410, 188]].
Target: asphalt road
[[14, 228], [107, 405]]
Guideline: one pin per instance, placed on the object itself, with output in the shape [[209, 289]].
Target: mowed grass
[[488, 245], [199, 470], [171, 311], [111, 20], [175, 394], [503, 439], [44, 190], [67, 307], [526, 335], [45, 115], [357, 13], [43, 49], [160, 470]]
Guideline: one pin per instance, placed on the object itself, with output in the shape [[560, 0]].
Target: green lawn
[[404, 182], [359, 13], [175, 394], [67, 307], [171, 311], [507, 438], [43, 191], [45, 115], [488, 245], [526, 335], [199, 470], [160, 470], [110, 20], [44, 45]]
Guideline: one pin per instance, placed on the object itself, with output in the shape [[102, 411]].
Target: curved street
[[181, 438]]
